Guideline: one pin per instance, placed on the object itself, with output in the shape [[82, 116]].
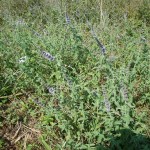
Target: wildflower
[[67, 79], [48, 56], [67, 19], [127, 71], [112, 58], [20, 22], [77, 14], [104, 92], [38, 102], [107, 103], [125, 15], [45, 32], [101, 46], [51, 90], [124, 92], [37, 34], [22, 59], [95, 93], [143, 39]]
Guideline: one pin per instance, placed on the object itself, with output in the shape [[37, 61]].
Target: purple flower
[[20, 22], [107, 103], [51, 90], [101, 46], [47, 56], [66, 77], [38, 102], [22, 59], [124, 92], [104, 92], [37, 34], [68, 80], [67, 19]]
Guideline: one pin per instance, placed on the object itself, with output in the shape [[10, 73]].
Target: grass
[[80, 84]]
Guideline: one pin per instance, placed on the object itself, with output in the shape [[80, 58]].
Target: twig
[[25, 141], [33, 130], [20, 137], [8, 96], [17, 131]]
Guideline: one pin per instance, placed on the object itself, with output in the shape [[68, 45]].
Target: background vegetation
[[74, 74]]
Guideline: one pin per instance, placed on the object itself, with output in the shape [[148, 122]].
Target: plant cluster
[[68, 83]]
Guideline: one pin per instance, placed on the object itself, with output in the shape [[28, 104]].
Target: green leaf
[[47, 147]]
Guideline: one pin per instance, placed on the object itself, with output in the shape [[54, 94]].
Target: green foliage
[[56, 79], [144, 12]]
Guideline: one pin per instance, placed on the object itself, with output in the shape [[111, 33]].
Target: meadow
[[75, 75]]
